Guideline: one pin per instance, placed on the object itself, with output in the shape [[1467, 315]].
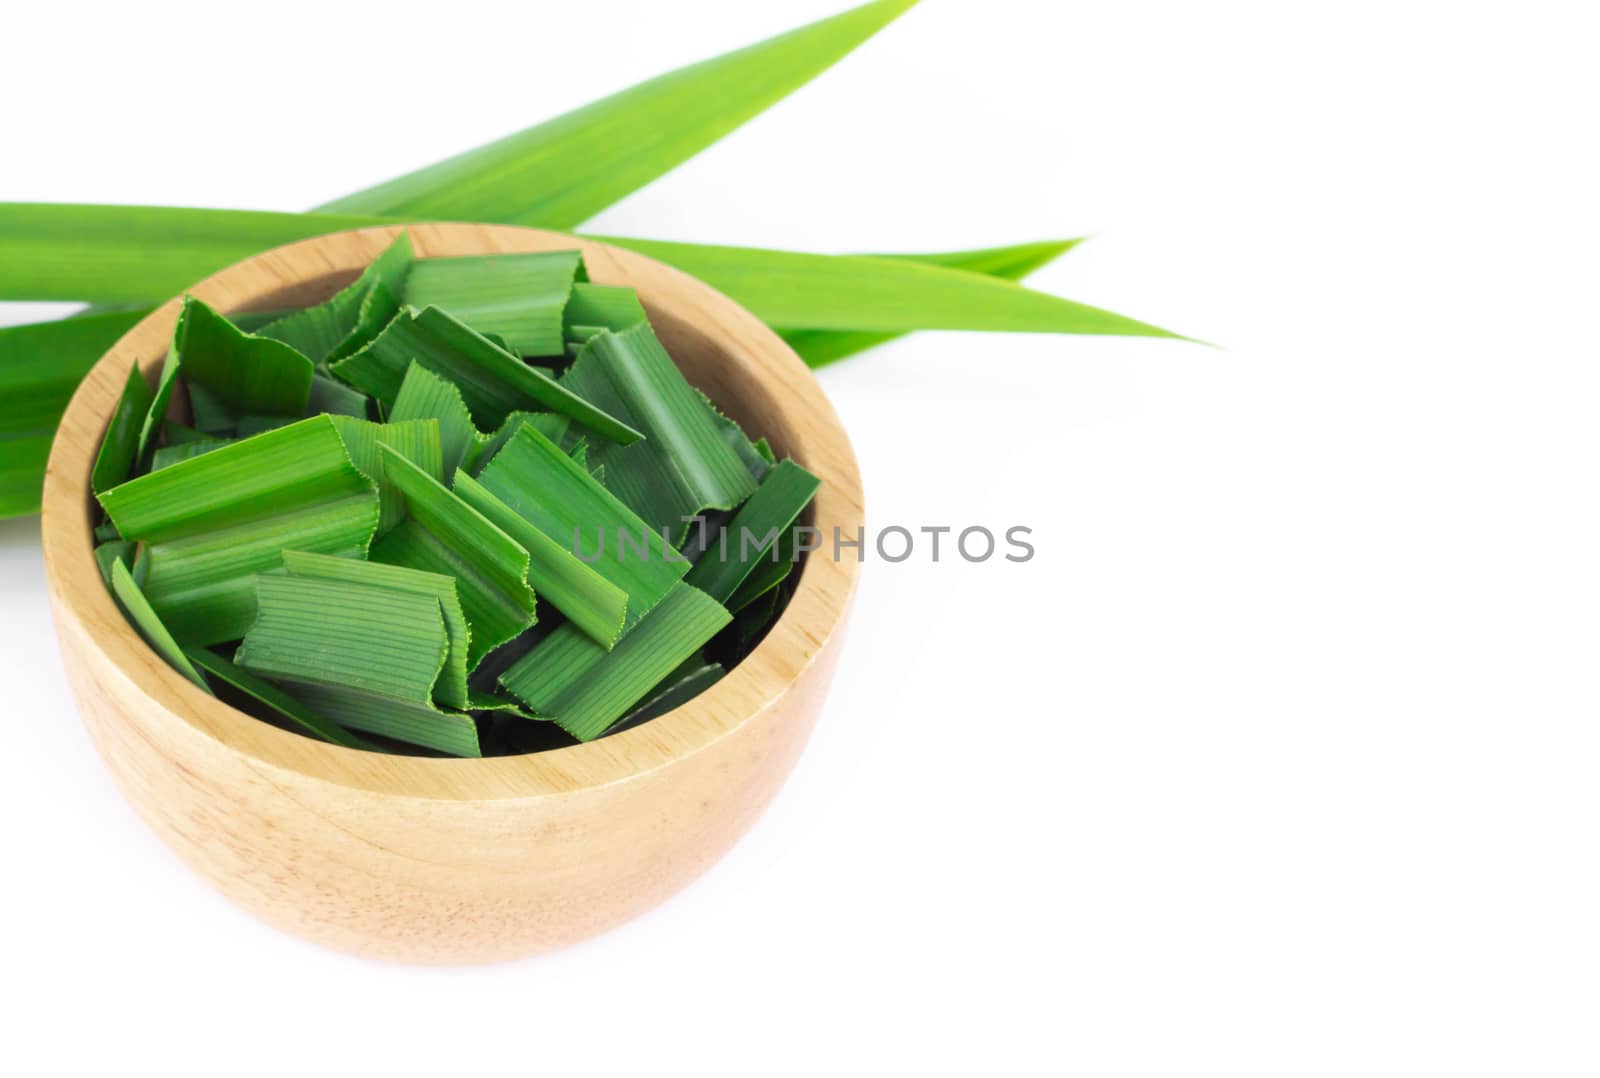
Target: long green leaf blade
[[820, 347], [565, 170], [861, 292], [40, 366], [137, 254]]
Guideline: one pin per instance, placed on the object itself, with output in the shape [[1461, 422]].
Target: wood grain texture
[[452, 861]]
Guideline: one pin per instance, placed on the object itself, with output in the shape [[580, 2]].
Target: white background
[[1281, 756]]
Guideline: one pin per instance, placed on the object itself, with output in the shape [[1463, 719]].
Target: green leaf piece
[[565, 170], [111, 552], [684, 465], [292, 713], [518, 298], [169, 455], [589, 600], [754, 530], [424, 395], [595, 307], [336, 398], [318, 332], [249, 373], [766, 573], [557, 428], [557, 499], [210, 524], [691, 678], [492, 381], [148, 622], [365, 656], [178, 433], [586, 702], [451, 688], [443, 534], [416, 440], [886, 295], [120, 447]]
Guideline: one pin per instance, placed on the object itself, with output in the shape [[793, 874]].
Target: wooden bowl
[[450, 861]]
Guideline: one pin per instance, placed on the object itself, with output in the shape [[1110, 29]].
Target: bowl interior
[[746, 370]]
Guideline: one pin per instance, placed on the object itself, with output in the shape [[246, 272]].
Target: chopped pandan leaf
[[105, 532], [317, 332], [451, 689], [212, 416], [365, 656], [209, 524], [486, 701], [251, 374], [754, 530], [587, 698], [752, 622], [493, 382], [558, 428], [692, 677], [594, 308], [766, 573], [169, 455], [589, 600], [292, 713], [148, 622], [381, 307], [558, 498], [110, 552], [425, 395], [335, 398], [120, 448], [684, 465], [251, 425], [417, 440], [443, 534], [516, 297], [756, 457], [178, 433]]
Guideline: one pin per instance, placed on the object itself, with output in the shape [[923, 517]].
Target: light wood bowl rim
[[816, 611]]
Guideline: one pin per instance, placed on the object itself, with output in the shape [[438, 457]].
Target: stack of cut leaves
[[556, 174], [466, 506]]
